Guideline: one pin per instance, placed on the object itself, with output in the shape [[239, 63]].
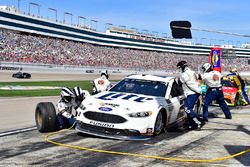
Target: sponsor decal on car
[[112, 96], [107, 125], [105, 109], [109, 104]]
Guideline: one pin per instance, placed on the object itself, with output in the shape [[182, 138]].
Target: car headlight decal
[[140, 114], [82, 107]]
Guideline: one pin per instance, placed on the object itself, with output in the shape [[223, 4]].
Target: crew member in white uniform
[[192, 91], [212, 79], [69, 100], [102, 83]]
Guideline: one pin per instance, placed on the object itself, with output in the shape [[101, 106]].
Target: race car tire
[[159, 123], [45, 116]]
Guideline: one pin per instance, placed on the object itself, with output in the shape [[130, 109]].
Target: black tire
[[159, 123], [27, 75], [45, 117]]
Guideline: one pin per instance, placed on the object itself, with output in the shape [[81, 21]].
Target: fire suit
[[101, 84], [65, 116], [239, 82], [214, 92], [192, 92]]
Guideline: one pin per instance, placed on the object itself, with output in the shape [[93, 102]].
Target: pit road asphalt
[[218, 138]]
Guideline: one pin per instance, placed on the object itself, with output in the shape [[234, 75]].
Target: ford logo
[[105, 109]]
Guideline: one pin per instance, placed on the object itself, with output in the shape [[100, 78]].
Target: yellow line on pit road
[[141, 155]]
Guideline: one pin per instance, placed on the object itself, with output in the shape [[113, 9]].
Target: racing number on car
[[112, 96]]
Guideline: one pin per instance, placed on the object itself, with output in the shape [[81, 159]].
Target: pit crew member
[[102, 83], [69, 100], [240, 84], [192, 91], [212, 79]]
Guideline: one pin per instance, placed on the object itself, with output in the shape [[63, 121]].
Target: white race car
[[136, 108]]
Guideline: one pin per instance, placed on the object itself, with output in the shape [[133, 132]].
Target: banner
[[215, 59]]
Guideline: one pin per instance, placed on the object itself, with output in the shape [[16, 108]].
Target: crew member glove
[[66, 115]]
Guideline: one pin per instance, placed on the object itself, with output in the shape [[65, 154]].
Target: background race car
[[229, 91], [21, 74]]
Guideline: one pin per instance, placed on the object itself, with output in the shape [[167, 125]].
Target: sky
[[153, 15]]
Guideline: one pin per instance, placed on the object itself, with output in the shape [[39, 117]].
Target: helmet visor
[[67, 98]]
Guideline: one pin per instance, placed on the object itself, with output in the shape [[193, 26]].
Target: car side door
[[175, 99]]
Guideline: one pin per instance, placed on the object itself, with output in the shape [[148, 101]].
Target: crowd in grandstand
[[17, 47]]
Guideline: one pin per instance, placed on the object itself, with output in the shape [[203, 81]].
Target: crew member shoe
[[192, 127], [202, 124], [205, 119], [229, 117]]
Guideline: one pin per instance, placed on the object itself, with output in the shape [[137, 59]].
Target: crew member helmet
[[206, 67], [66, 94], [79, 94], [105, 73], [182, 65]]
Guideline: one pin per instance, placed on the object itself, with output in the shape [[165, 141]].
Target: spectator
[[17, 47]]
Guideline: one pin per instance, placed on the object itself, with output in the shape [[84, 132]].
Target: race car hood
[[124, 101], [227, 89]]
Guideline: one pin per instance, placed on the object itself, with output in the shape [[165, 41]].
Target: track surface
[[5, 76], [220, 137]]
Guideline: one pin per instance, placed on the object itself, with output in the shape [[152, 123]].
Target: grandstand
[[35, 40]]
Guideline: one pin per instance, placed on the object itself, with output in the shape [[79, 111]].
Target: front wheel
[[45, 116], [159, 124]]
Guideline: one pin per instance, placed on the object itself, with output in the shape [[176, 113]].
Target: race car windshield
[[227, 83], [145, 87]]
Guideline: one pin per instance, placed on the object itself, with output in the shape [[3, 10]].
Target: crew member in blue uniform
[[212, 79]]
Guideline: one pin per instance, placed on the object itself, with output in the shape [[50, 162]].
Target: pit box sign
[[215, 58]]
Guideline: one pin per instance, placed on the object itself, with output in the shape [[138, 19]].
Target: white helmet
[[78, 92], [206, 67], [66, 94]]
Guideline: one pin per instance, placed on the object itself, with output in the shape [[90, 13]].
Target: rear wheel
[[159, 123], [45, 116]]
